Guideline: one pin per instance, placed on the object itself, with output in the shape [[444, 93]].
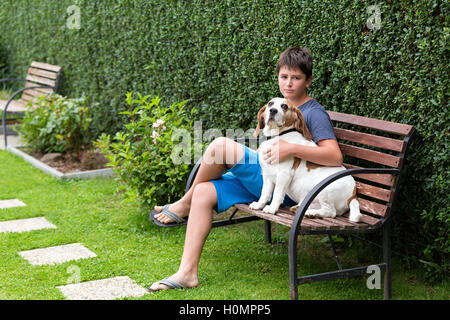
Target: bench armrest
[[22, 90], [9, 101], [321, 185]]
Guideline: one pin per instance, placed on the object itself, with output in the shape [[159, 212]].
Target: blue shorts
[[242, 183]]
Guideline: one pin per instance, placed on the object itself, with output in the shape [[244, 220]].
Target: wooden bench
[[374, 154], [41, 78]]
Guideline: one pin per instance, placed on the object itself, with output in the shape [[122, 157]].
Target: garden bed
[[83, 166]]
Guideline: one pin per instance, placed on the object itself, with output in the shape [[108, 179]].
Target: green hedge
[[221, 55]]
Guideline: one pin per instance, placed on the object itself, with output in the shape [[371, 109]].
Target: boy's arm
[[327, 153]]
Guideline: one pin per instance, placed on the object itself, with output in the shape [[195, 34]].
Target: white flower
[[154, 135], [159, 123]]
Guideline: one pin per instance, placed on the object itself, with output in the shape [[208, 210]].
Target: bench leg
[[5, 133], [268, 230], [333, 248], [293, 280], [387, 259]]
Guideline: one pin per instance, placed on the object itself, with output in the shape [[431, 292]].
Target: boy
[[242, 183]]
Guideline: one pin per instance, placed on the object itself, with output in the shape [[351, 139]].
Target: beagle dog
[[296, 177]]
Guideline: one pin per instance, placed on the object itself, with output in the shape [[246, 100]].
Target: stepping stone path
[[5, 204], [58, 254], [105, 289], [25, 225]]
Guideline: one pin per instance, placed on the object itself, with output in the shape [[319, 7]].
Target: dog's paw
[[355, 217], [312, 214], [294, 208], [270, 209], [256, 205]]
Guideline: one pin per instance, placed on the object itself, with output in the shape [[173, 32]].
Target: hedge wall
[[221, 55]]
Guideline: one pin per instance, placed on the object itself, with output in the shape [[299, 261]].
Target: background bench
[[41, 78], [374, 154]]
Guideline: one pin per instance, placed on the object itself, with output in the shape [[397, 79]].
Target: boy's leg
[[204, 199], [222, 153]]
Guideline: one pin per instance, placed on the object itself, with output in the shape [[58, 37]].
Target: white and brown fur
[[297, 177]]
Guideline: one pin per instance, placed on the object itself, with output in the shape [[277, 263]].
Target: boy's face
[[292, 83]]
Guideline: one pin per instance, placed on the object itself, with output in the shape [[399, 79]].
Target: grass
[[236, 262], [5, 94]]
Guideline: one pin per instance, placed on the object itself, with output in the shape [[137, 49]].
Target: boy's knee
[[220, 143], [216, 150], [205, 192]]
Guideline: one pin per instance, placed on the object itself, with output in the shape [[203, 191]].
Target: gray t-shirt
[[317, 120]]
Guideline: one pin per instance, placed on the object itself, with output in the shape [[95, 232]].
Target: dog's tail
[[355, 214]]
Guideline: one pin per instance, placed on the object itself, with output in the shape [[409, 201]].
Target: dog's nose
[[273, 111]]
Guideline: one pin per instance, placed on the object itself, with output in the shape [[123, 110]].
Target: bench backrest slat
[[369, 139], [41, 74], [46, 66], [40, 90], [370, 155], [383, 125], [375, 192], [384, 179], [39, 80]]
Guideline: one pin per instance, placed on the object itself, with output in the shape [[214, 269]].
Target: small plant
[[56, 124], [142, 154]]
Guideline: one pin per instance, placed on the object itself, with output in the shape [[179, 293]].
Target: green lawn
[[236, 262]]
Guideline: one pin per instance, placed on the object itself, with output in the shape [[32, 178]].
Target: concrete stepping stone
[[106, 289], [5, 204], [25, 225], [58, 254]]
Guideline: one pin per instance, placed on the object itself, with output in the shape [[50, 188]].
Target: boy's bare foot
[[179, 208]]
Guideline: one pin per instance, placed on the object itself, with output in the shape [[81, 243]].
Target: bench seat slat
[[27, 98], [285, 217], [368, 220]]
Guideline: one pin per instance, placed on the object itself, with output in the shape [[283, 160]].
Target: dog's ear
[[300, 125], [261, 121]]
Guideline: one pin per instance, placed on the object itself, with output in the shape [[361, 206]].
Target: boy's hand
[[277, 152]]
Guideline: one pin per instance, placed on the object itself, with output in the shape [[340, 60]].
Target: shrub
[[56, 124], [146, 154], [3, 62]]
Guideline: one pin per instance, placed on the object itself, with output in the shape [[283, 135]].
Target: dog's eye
[[284, 106], [270, 103]]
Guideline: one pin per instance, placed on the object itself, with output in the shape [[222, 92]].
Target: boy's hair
[[296, 57]]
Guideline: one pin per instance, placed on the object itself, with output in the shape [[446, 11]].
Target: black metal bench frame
[[384, 225]]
